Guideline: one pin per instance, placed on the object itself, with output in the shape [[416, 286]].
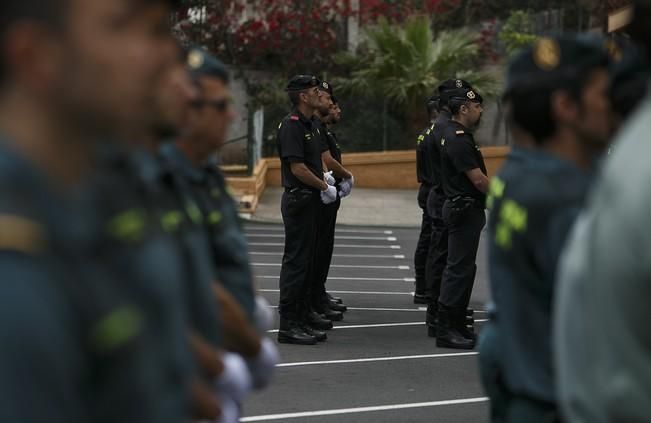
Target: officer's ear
[[564, 108]]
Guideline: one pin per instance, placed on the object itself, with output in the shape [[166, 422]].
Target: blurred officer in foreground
[[425, 159], [557, 92], [602, 341], [343, 180], [465, 184], [305, 192], [192, 159], [75, 341], [437, 255]]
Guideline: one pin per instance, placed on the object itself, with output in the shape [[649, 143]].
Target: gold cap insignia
[[547, 54], [471, 95], [195, 59], [458, 83], [614, 52]]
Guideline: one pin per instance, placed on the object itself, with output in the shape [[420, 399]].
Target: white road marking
[[376, 359], [346, 237], [380, 256], [337, 278], [269, 417], [345, 266], [345, 231], [420, 309], [352, 292], [375, 325], [279, 244]]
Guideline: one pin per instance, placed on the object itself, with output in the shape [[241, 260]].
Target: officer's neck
[[45, 136], [462, 119], [305, 109], [565, 145], [190, 149]]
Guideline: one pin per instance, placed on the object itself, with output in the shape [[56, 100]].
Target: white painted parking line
[[337, 278], [378, 256], [269, 417], [279, 244], [376, 359], [344, 231], [352, 292], [345, 266], [375, 325], [419, 309], [346, 237]]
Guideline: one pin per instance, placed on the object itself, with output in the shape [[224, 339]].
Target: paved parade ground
[[378, 365]]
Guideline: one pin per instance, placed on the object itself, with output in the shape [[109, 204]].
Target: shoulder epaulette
[[18, 233], [460, 132]]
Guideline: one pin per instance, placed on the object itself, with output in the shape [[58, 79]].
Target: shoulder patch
[[460, 132], [293, 117], [429, 131], [18, 233]]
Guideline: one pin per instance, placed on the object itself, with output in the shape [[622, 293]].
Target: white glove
[[262, 367], [230, 410], [345, 187], [330, 180], [262, 315], [236, 380], [329, 195]]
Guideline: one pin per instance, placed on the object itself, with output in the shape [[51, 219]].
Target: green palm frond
[[405, 63]]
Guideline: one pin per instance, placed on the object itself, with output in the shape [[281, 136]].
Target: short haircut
[[532, 110], [455, 105], [295, 97]]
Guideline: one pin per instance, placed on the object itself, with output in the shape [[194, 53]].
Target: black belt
[[300, 189]]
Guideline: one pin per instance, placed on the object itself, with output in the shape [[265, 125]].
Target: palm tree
[[401, 66]]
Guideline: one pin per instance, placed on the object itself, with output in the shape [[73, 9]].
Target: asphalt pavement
[[378, 365]]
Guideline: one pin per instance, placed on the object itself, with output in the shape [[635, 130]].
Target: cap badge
[[325, 86], [458, 83], [547, 54], [471, 95], [614, 52], [195, 59]]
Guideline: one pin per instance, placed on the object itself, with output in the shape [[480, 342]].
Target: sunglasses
[[219, 105]]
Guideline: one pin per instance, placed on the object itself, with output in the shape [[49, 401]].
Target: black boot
[[291, 332], [335, 299], [431, 319], [320, 335], [337, 307], [421, 298], [315, 320], [332, 315], [447, 334]]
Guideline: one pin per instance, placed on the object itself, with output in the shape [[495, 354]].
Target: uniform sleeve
[[291, 142], [462, 153], [38, 358]]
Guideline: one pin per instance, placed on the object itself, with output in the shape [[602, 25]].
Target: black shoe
[[470, 312], [337, 307], [318, 334], [315, 320], [291, 332], [332, 315], [335, 299], [421, 299], [447, 333]]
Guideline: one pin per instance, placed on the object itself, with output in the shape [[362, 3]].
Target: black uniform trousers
[[299, 208], [464, 230], [437, 255], [424, 241], [325, 243]]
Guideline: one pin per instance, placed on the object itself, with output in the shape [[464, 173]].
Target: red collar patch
[[294, 117]]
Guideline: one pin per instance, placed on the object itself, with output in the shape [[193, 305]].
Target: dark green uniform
[[219, 216]]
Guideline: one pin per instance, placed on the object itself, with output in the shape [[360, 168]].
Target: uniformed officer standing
[[305, 192], [343, 180], [465, 184], [534, 200], [424, 174], [74, 341], [437, 255]]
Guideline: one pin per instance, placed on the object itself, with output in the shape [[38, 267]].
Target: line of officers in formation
[[126, 293], [567, 236]]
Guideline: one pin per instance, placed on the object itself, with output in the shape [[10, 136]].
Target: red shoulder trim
[[293, 117]]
